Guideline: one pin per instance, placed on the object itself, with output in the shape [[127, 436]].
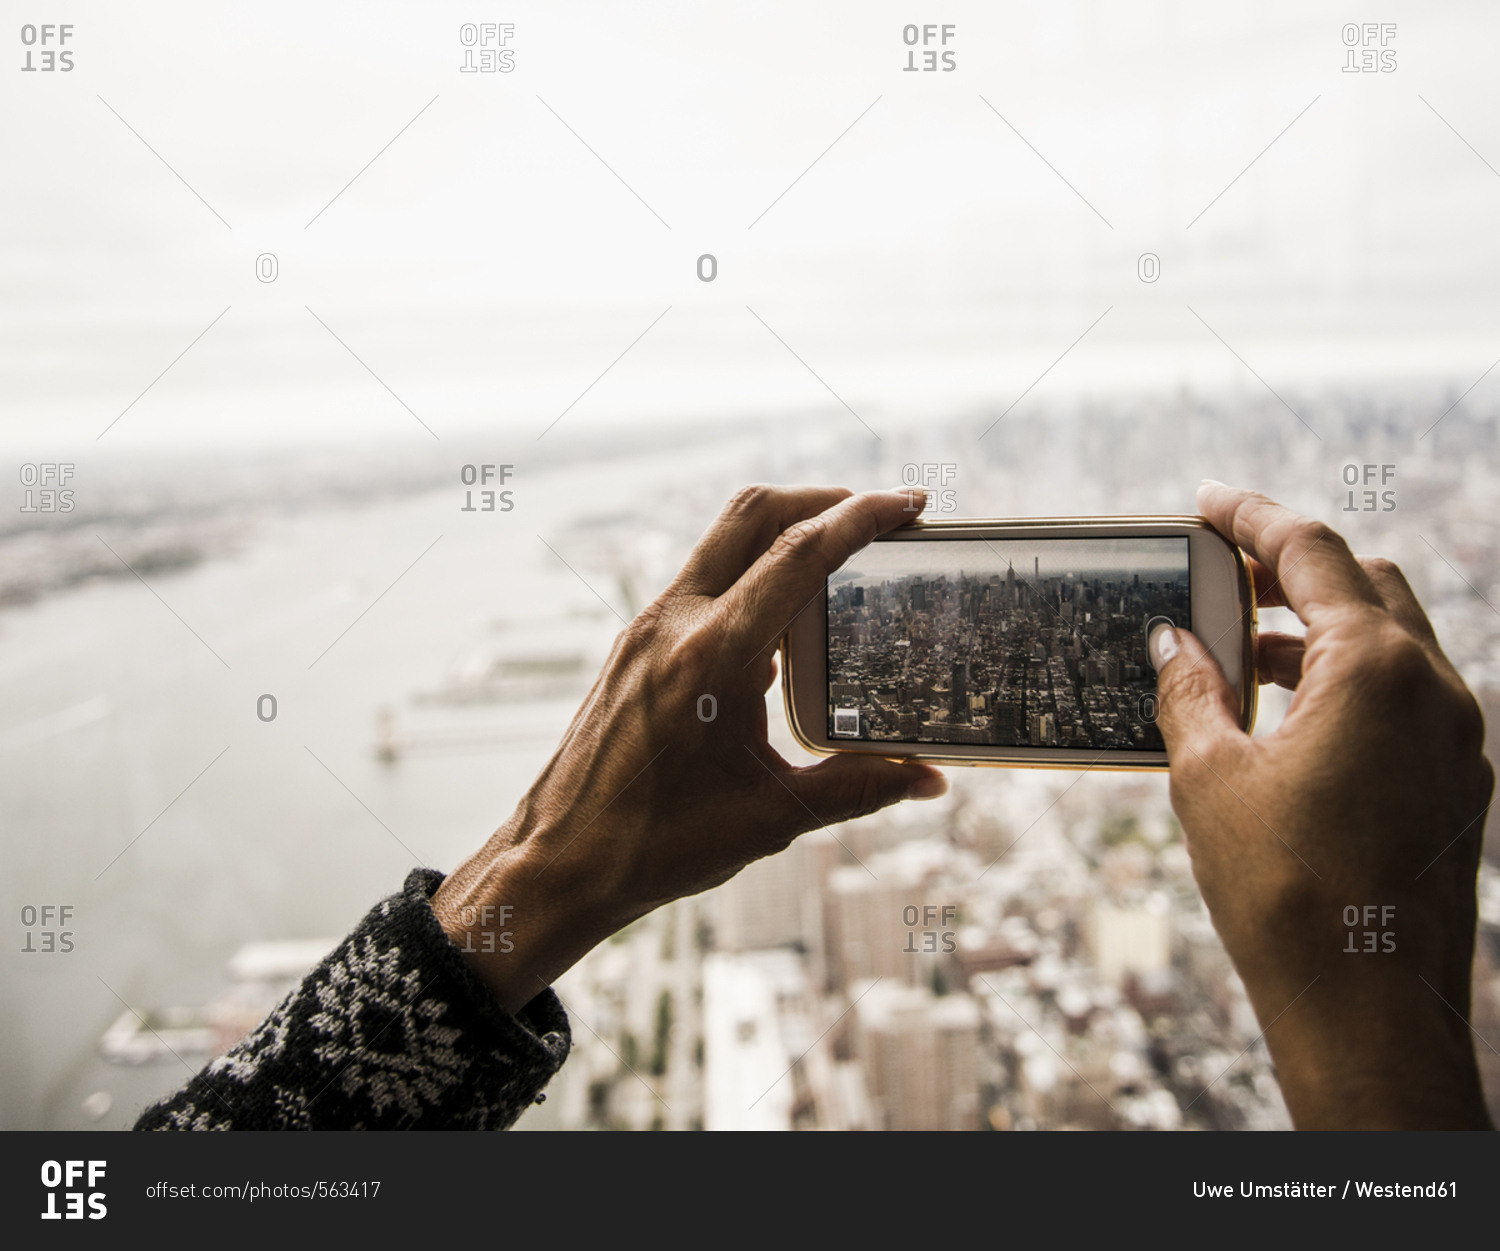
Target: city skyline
[[1028, 660], [891, 560]]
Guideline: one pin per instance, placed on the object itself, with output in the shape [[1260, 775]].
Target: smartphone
[[1014, 642]]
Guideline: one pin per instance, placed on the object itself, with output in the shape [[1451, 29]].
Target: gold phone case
[[1034, 757]]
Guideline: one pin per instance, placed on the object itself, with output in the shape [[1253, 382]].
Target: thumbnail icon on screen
[[846, 722]]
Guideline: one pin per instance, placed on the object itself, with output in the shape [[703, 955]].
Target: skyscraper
[[920, 1056]]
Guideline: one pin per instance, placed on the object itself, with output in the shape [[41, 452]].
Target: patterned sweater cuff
[[391, 1031]]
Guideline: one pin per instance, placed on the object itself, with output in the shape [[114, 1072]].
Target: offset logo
[[1366, 501], [67, 1177], [483, 475], [486, 47], [50, 934], [936, 918], [935, 477], [941, 59], [1367, 48], [1371, 934], [44, 51], [50, 477]]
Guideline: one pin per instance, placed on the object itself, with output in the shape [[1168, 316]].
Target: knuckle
[[1404, 658], [642, 634], [1401, 665], [1252, 512], [752, 498], [646, 623], [1383, 570], [694, 652], [631, 640], [1189, 769], [1311, 533], [870, 797], [801, 539], [1180, 684]]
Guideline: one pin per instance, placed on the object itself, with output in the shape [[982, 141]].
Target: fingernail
[[1212, 482], [928, 786], [1162, 646]]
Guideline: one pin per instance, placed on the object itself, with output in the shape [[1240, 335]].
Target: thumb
[[851, 785], [1196, 704]]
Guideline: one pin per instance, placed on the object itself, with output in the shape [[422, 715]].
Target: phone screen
[[1007, 642]]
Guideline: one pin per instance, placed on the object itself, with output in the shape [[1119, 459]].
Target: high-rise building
[[958, 705], [920, 1054], [867, 909], [1007, 717], [865, 937], [777, 901]]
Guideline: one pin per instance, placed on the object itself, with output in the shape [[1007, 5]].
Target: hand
[[665, 784], [1372, 793]]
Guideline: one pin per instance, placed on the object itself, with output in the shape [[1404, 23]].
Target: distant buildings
[[969, 659], [920, 1054], [1023, 955], [751, 1009]]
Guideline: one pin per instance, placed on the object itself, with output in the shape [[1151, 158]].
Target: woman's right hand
[[1338, 854], [666, 784]]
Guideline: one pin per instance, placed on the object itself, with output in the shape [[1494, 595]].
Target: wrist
[[518, 920], [1383, 1053]]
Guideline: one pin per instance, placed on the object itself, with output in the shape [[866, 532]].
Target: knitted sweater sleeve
[[391, 1031]]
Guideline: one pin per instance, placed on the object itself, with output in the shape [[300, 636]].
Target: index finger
[[1312, 567], [763, 604], [746, 528]]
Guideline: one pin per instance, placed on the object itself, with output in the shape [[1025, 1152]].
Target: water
[[110, 707]]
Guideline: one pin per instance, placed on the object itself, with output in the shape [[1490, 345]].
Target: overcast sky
[[907, 241], [983, 557]]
